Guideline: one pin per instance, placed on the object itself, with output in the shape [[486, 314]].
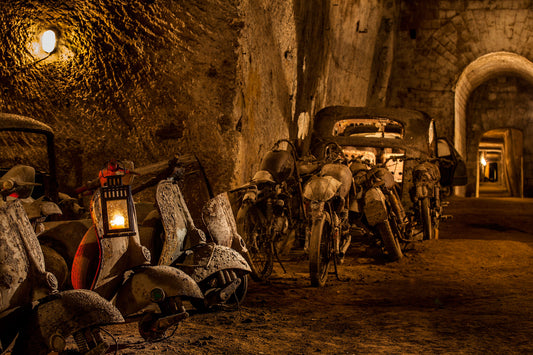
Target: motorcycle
[[111, 261], [34, 317], [426, 197], [272, 211], [377, 206], [328, 196]]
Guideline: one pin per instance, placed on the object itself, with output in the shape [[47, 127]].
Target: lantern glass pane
[[117, 214]]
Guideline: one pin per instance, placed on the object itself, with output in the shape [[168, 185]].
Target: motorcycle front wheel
[[429, 228], [390, 242], [320, 251], [258, 241]]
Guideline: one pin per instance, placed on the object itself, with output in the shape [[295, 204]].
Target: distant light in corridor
[[483, 161], [48, 41]]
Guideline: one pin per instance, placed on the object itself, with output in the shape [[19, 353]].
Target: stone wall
[[438, 39], [138, 80], [143, 80]]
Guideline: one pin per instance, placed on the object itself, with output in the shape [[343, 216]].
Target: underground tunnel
[[147, 144]]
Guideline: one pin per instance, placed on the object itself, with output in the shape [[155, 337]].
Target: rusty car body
[[403, 140]]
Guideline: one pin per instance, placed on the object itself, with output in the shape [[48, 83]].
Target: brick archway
[[477, 72]]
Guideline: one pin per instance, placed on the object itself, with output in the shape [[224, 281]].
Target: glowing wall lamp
[[48, 41]]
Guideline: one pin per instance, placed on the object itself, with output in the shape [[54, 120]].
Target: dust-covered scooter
[[111, 261], [34, 317], [215, 261]]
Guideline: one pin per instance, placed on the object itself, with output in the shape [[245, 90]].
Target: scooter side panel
[[64, 314], [22, 274], [134, 295], [176, 220], [211, 258], [220, 222], [73, 310]]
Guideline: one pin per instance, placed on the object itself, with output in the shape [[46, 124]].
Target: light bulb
[[48, 41]]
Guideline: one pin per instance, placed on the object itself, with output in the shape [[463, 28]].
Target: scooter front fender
[[58, 316], [135, 293], [209, 258]]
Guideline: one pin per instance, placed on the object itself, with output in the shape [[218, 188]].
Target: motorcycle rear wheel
[[320, 251], [259, 243], [430, 230], [390, 242]]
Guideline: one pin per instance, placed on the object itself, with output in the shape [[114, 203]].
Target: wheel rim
[[259, 244], [320, 255]]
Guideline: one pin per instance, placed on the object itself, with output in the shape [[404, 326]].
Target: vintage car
[[381, 133], [405, 141]]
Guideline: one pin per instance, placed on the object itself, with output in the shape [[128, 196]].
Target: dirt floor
[[470, 292]]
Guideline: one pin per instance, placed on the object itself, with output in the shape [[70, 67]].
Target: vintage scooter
[[111, 261], [217, 264], [34, 317]]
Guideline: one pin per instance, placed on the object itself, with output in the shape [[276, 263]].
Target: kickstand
[[278, 259], [337, 270]]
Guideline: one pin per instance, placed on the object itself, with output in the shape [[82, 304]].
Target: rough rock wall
[[346, 56], [266, 81], [137, 80], [504, 102]]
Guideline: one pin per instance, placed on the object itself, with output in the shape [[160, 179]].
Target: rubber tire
[[260, 270], [318, 270], [431, 231], [390, 242]]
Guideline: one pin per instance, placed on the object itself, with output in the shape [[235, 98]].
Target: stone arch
[[443, 48], [477, 72]]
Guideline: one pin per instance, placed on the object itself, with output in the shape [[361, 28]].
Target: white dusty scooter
[[111, 261], [215, 261], [34, 317]]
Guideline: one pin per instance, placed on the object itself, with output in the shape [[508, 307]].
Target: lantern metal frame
[[115, 190]]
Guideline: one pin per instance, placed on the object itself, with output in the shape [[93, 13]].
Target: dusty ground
[[468, 293]]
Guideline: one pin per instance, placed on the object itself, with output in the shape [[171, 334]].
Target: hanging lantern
[[117, 208]]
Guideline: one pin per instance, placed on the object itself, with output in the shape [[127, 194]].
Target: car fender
[[135, 293]]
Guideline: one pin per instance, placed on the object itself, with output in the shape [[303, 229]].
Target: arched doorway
[[500, 163], [478, 72]]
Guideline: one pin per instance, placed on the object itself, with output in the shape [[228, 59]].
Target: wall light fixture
[[48, 41]]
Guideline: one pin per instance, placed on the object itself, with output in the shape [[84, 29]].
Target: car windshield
[[23, 148], [368, 128]]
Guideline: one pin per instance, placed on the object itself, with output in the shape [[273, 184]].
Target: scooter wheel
[[146, 328]]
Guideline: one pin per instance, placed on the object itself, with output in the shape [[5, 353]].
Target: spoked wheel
[[258, 241], [320, 251], [390, 242], [218, 291], [430, 229]]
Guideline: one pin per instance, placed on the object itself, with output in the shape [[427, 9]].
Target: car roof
[[415, 123], [13, 122]]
